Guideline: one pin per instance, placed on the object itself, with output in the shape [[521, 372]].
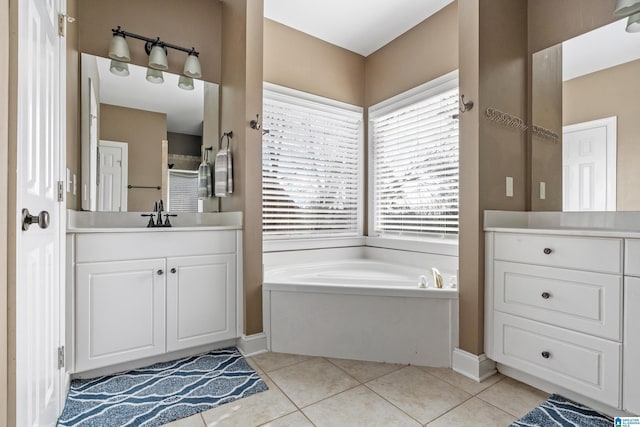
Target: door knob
[[42, 219]]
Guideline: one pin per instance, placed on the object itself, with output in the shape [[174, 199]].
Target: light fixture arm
[[152, 42]]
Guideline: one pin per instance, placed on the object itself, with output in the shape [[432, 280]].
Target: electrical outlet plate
[[509, 186], [543, 190]]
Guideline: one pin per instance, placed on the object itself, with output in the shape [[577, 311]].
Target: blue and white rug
[[162, 392], [560, 411]]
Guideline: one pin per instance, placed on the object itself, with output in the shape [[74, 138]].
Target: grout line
[[286, 366], [343, 370]]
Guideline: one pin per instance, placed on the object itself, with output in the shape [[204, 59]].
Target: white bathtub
[[363, 309]]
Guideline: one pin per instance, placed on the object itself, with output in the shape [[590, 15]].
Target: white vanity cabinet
[[143, 294], [553, 310], [631, 356]]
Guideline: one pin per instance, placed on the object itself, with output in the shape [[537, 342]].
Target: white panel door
[[38, 274], [120, 312], [589, 166], [201, 300], [113, 172]]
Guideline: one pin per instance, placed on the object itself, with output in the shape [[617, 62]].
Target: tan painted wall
[[241, 100], [493, 66], [299, 61], [427, 51], [4, 171], [192, 23], [144, 132], [612, 92], [73, 106]]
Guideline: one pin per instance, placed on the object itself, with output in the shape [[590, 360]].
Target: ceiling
[[361, 26], [599, 49]]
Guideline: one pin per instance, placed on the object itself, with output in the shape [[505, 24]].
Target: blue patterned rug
[[162, 392], [560, 411]]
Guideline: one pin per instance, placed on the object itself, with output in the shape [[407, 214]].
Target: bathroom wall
[[144, 132], [615, 97], [299, 61], [241, 100], [427, 51], [195, 23], [493, 70]]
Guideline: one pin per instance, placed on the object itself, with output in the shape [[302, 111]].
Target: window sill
[[434, 246], [280, 245]]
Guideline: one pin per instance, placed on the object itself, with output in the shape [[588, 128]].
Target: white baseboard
[[250, 345], [478, 368]]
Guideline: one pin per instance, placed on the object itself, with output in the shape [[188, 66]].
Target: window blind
[[183, 191], [415, 165], [310, 167]]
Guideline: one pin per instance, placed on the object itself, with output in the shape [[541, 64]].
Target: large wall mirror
[[144, 137], [585, 95]]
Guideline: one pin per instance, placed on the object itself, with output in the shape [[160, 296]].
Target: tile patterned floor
[[322, 392]]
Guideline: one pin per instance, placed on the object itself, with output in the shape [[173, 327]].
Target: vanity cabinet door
[[120, 310], [631, 347], [201, 300]]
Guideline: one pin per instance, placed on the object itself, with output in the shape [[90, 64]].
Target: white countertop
[[593, 224]]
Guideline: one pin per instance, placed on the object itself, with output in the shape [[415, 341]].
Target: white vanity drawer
[[632, 257], [581, 253], [582, 363], [96, 247], [583, 301]]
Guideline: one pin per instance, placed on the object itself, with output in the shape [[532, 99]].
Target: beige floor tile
[[365, 371], [513, 397], [312, 380], [357, 407], [474, 413], [251, 411], [254, 365], [297, 419], [417, 393], [192, 421], [271, 361], [460, 381]]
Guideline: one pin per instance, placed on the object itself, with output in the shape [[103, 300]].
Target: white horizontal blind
[[415, 165], [183, 191], [310, 168]]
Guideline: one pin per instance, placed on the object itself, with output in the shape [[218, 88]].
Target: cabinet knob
[[173, 270], [546, 295], [547, 251], [546, 354], [160, 272]]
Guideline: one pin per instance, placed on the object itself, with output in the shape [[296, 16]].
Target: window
[[311, 166], [183, 191], [414, 161]]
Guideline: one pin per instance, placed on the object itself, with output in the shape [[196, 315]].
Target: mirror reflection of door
[[112, 178], [589, 166]]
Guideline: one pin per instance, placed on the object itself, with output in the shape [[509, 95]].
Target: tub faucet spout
[[437, 278]]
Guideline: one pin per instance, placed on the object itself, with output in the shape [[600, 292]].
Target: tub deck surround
[[561, 293], [360, 303], [115, 222]]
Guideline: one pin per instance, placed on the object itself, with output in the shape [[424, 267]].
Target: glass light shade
[[192, 67], [158, 58], [119, 49], [185, 83], [154, 76], [633, 24], [626, 7], [119, 68]]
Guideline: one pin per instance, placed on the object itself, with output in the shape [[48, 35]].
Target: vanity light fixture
[[626, 7], [185, 83], [157, 51], [119, 68], [154, 76], [633, 23]]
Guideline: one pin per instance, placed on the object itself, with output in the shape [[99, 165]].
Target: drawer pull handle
[[546, 295], [547, 251], [173, 270], [160, 272], [546, 354]]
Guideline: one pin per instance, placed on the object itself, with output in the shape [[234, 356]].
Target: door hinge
[[61, 191], [60, 357], [63, 19]]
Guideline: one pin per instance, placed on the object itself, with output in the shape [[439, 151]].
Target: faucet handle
[[167, 223], [150, 223]]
